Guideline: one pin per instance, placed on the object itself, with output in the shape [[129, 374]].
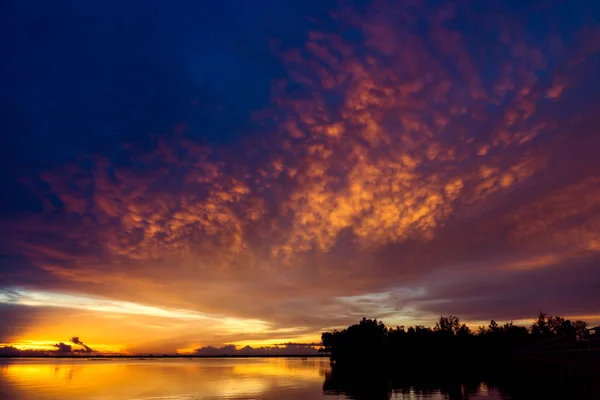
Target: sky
[[183, 175]]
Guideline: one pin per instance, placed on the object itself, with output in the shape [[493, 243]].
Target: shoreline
[[151, 357]]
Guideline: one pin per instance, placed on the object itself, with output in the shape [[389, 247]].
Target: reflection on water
[[365, 385], [217, 379], [198, 379], [159, 379]]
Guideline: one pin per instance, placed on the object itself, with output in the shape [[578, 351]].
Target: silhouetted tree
[[540, 328], [447, 324], [581, 330], [371, 343]]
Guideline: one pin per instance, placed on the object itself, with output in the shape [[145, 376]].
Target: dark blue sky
[[82, 77], [92, 71]]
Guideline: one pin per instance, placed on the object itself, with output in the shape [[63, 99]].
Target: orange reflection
[[281, 367], [124, 379]]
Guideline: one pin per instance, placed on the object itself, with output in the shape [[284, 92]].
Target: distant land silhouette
[[64, 350], [291, 349]]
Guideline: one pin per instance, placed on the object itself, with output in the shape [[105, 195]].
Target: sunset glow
[[257, 183]]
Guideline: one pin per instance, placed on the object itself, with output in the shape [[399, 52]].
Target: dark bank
[[554, 357]]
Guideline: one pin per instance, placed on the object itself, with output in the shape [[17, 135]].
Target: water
[[204, 379]]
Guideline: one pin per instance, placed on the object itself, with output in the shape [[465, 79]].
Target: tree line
[[371, 343]]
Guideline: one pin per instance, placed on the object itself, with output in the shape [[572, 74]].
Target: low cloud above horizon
[[400, 160]]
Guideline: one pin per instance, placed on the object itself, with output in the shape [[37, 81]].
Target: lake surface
[[203, 379]]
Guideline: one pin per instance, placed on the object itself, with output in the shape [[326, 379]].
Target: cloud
[[15, 320], [10, 351], [432, 148], [63, 348], [75, 340], [61, 300]]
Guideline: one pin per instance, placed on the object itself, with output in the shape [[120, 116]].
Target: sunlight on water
[[197, 379]]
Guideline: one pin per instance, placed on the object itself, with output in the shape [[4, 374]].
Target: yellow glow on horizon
[[48, 345], [186, 350], [108, 325], [132, 328], [33, 344]]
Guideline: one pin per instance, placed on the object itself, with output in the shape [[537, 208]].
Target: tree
[[581, 330], [448, 324], [464, 331], [369, 343], [494, 327], [540, 328]]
